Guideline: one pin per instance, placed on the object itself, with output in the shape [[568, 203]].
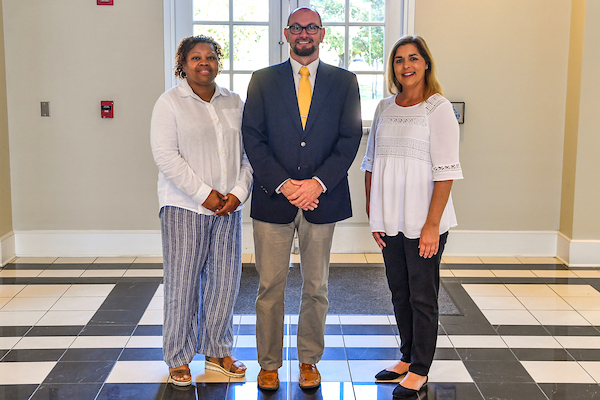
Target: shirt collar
[[186, 90], [312, 67]]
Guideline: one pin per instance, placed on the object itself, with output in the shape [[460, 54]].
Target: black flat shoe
[[385, 375], [400, 392]]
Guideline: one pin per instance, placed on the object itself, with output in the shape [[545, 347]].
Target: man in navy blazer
[[300, 184]]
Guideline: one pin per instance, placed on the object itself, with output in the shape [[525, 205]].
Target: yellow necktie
[[304, 95]]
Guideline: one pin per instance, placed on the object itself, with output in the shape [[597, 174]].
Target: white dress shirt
[[197, 146]]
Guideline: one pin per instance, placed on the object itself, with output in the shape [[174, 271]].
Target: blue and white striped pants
[[202, 257]]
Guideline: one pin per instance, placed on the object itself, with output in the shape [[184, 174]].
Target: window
[[358, 36]]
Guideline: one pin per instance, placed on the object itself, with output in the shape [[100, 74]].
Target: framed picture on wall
[[459, 111]]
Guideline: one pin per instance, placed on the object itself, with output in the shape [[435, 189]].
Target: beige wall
[[5, 203], [586, 219], [508, 61], [74, 170]]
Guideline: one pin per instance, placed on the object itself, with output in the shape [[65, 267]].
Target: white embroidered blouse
[[409, 148]]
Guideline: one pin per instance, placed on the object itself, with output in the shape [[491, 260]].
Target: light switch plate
[[45, 108]]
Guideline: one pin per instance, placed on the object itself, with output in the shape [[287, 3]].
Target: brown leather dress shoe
[[268, 380], [309, 376]]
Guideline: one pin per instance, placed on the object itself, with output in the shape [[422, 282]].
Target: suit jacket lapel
[[322, 87], [287, 87]]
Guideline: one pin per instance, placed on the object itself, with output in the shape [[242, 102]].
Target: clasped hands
[[303, 194], [222, 205]]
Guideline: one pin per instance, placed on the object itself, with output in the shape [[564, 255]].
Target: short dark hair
[[187, 44]]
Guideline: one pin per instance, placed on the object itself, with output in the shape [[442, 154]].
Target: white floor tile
[[579, 342], [148, 260], [61, 273], [364, 320], [131, 273], [348, 258], [461, 260], [557, 372], [559, 317], [592, 368], [246, 258], [45, 342], [103, 273], [78, 304], [59, 318], [575, 290], [145, 342], [160, 291], [545, 303], [100, 342], [487, 289], [331, 371], [20, 273], [139, 372], [100, 290], [531, 342], [245, 341], [248, 319], [43, 291], [253, 369], [157, 303], [472, 273], [20, 318], [477, 341], [554, 274], [30, 304], [593, 317], [152, 317], [510, 317], [449, 371], [539, 260], [370, 341], [24, 373], [11, 290], [3, 301], [587, 273], [376, 258], [365, 370], [114, 260], [510, 273], [497, 303], [500, 260], [531, 290], [7, 343], [74, 260], [443, 341], [446, 273], [588, 303]]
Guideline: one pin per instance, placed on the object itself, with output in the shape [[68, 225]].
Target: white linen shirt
[[197, 146], [409, 148]]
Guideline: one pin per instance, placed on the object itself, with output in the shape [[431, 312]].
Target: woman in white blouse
[[411, 161], [204, 178]]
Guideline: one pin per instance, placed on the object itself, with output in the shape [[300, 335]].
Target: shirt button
[[298, 168], [303, 144]]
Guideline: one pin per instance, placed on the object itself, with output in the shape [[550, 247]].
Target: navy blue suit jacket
[[278, 148]]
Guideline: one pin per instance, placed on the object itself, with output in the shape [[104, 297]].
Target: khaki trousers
[[272, 253]]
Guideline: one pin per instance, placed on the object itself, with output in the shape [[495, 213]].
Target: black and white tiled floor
[[91, 329]]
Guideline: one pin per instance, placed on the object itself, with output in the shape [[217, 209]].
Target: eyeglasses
[[311, 29]]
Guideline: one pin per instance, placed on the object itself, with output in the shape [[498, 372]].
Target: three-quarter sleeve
[[444, 141], [367, 164]]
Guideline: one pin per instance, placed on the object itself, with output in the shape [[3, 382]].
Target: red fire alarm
[[105, 2], [106, 109]]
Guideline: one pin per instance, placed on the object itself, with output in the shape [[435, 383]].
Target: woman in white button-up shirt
[[411, 162], [204, 178]]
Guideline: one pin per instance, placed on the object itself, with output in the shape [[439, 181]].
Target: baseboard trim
[[578, 253], [7, 248], [348, 238]]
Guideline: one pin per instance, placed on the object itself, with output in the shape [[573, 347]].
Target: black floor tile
[[122, 303], [522, 330], [132, 391], [33, 355], [511, 391], [571, 391], [375, 391], [372, 353], [108, 330], [16, 392], [320, 393], [486, 354], [470, 329], [116, 317], [103, 354], [542, 355], [330, 329], [585, 354], [3, 353], [50, 391], [150, 330], [331, 353], [367, 329], [135, 287], [445, 354], [68, 266], [79, 372], [497, 371], [65, 330], [132, 354], [24, 266], [251, 329], [6, 331], [451, 391], [108, 266], [572, 330], [202, 390], [146, 266]]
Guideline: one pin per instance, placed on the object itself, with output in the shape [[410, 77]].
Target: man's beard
[[304, 51]]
